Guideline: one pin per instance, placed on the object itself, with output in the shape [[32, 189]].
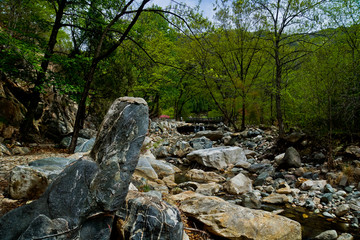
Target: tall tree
[[288, 22], [126, 12]]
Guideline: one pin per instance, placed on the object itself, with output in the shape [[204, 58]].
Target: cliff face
[[54, 117]]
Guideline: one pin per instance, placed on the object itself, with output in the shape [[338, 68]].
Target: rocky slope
[[224, 181]]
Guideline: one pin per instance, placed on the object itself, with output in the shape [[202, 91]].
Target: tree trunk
[[278, 76], [27, 125], [243, 115], [80, 115]]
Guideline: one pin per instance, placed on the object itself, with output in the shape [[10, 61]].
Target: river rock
[[97, 186], [162, 168], [65, 142], [212, 135], [276, 198], [4, 150], [201, 176], [313, 185], [342, 210], [87, 133], [219, 157], [291, 159], [236, 222], [238, 185], [353, 150], [27, 183], [144, 169], [327, 235], [86, 146], [200, 143], [345, 236], [208, 189], [146, 217], [251, 200]]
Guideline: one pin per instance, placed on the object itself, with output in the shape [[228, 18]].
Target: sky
[[206, 5]]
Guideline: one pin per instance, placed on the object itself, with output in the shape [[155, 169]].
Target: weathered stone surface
[[88, 187], [342, 210], [144, 168], [219, 157], [276, 198], [51, 167], [201, 176], [212, 135], [161, 167], [65, 142], [117, 149], [208, 189], [86, 146], [145, 217], [27, 183], [43, 226], [239, 184], [313, 185], [353, 150], [291, 159], [327, 235], [200, 143], [235, 222], [4, 150]]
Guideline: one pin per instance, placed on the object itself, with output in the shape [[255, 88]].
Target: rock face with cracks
[[235, 222], [85, 196]]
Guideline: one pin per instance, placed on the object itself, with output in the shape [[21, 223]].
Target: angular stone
[[91, 187], [291, 159], [201, 143], [212, 135], [208, 189], [219, 157], [162, 168], [276, 198], [327, 235], [27, 183], [342, 210], [86, 146], [201, 176], [144, 168], [145, 217], [235, 222], [238, 185], [4, 150]]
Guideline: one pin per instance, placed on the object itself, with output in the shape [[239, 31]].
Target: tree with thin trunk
[[125, 11], [288, 22]]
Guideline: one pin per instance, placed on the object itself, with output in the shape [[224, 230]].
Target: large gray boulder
[[87, 193], [291, 159], [219, 157], [212, 135], [146, 217], [200, 143], [231, 221]]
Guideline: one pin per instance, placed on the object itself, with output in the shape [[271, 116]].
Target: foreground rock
[[148, 217], [86, 190], [30, 182], [219, 157], [235, 222]]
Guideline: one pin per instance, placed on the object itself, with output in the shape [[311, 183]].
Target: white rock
[[239, 184]]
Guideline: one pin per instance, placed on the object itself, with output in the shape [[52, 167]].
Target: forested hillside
[[289, 63]]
